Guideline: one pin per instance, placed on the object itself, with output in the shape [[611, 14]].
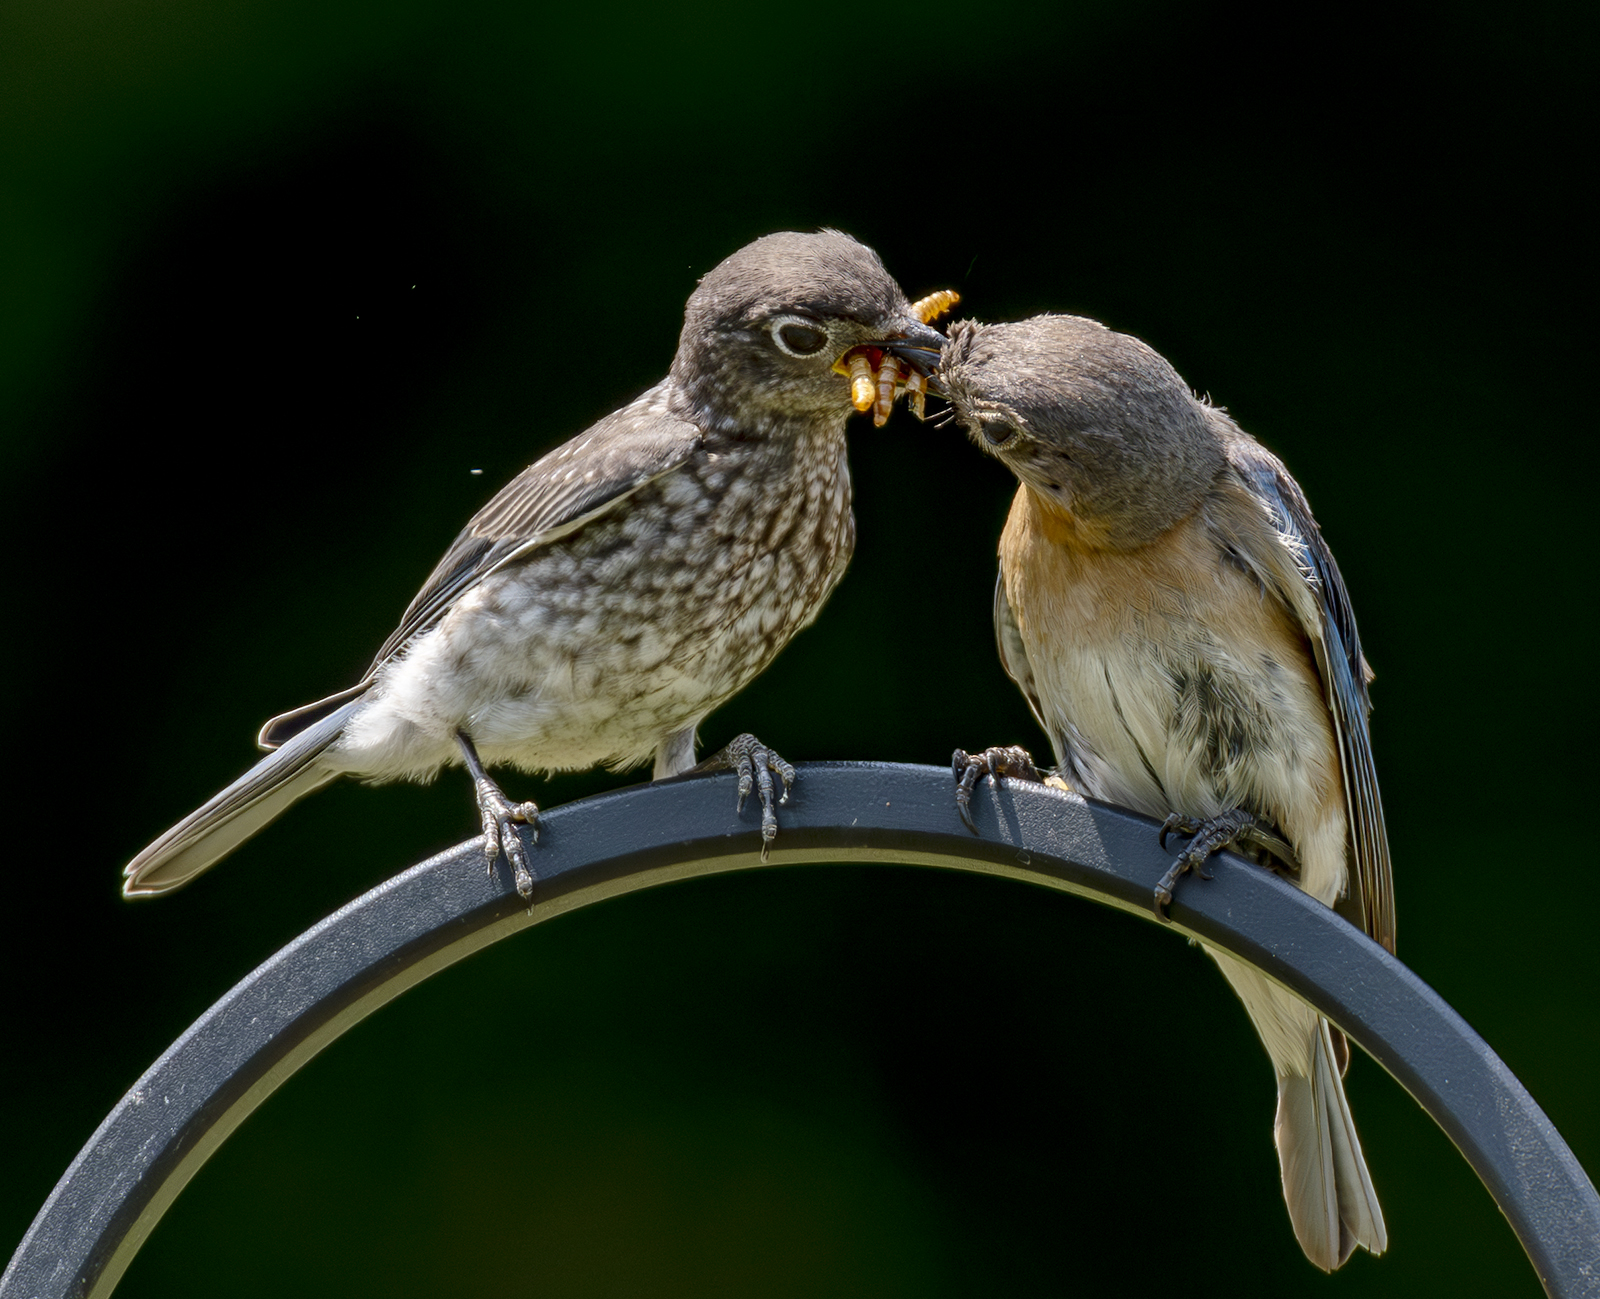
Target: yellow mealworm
[[916, 390], [930, 308], [861, 384], [888, 377]]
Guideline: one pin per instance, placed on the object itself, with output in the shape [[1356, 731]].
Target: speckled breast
[[657, 612]]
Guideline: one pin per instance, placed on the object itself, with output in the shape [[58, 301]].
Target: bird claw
[[499, 815], [1005, 760], [1176, 823], [1235, 829], [755, 763], [1163, 895]]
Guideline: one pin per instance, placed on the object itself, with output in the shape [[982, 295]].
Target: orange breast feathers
[[1064, 583], [1153, 626]]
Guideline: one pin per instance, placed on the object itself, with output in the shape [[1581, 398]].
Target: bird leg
[[499, 815], [1008, 760], [1237, 829], [755, 763]]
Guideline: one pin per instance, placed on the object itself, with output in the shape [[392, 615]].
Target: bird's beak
[[917, 344], [878, 371]]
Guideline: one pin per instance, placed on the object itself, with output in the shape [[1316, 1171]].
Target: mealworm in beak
[[861, 384], [888, 377], [916, 392], [930, 308]]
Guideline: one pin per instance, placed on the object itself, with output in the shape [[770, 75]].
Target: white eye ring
[[797, 323], [997, 432]]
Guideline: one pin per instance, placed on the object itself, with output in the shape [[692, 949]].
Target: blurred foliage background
[[278, 276]]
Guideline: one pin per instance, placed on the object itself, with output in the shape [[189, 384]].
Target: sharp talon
[[517, 855], [499, 818], [1206, 838], [1164, 887], [755, 764], [491, 829], [964, 800], [1176, 823], [969, 768]]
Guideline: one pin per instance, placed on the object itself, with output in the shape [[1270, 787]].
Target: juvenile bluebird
[[623, 586], [1170, 610]]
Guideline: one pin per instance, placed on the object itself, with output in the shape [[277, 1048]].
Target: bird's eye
[[800, 337], [997, 432]]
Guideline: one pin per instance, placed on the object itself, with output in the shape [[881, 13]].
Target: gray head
[[1095, 422], [763, 332]]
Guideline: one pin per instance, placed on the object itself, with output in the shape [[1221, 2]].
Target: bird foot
[[499, 815], [755, 763], [1007, 760], [1237, 829]]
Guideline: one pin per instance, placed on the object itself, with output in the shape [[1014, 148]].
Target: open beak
[[898, 363], [916, 344]]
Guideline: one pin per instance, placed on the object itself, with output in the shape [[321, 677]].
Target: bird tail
[[1326, 1185], [262, 794], [1325, 1179]]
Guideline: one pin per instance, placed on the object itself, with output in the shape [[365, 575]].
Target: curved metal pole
[[341, 970]]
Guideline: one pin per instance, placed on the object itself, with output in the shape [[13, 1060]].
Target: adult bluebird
[[1170, 610]]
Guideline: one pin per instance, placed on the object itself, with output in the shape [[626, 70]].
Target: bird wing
[[1013, 653], [1303, 572], [574, 484]]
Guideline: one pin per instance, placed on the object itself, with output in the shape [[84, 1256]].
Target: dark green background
[[277, 276]]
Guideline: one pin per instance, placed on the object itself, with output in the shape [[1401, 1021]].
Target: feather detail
[[262, 794]]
